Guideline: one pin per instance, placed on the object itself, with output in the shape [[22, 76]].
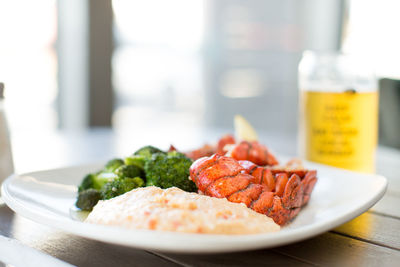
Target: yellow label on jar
[[340, 129]]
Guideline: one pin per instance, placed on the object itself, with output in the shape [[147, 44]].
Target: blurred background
[[75, 64]]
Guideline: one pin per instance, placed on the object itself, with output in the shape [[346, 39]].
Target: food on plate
[[114, 179], [88, 198], [168, 170], [277, 193], [204, 151], [142, 155], [281, 176], [143, 168], [244, 150], [208, 150], [99, 179], [223, 143], [125, 171], [176, 210], [120, 186], [245, 145], [254, 152], [244, 130], [113, 164], [148, 151], [235, 172]]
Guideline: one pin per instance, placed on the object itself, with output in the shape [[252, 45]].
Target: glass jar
[[338, 122]]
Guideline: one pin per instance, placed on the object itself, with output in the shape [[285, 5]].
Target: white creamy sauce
[[176, 210]]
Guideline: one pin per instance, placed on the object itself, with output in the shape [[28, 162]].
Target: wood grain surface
[[335, 250], [373, 228]]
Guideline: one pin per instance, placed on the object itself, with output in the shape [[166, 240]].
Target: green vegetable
[[87, 199], [169, 169], [129, 171], [136, 160], [147, 151], [96, 180], [87, 182], [102, 178], [120, 186], [113, 164], [148, 166]]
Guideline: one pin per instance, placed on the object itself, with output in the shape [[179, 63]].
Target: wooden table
[[372, 239]]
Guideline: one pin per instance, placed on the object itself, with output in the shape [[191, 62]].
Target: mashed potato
[[176, 210]]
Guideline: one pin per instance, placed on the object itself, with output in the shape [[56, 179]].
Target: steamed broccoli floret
[[147, 152], [87, 199], [129, 171], [120, 186], [136, 160], [169, 169], [96, 180], [115, 179], [103, 178], [113, 164], [87, 182], [147, 164]]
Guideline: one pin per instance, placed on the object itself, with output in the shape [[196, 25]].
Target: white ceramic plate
[[47, 197]]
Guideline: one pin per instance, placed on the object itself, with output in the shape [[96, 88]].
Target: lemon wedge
[[244, 130]]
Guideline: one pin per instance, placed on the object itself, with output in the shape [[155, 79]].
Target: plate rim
[[267, 240]]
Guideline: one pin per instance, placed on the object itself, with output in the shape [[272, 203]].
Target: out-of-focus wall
[[252, 52], [202, 63]]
